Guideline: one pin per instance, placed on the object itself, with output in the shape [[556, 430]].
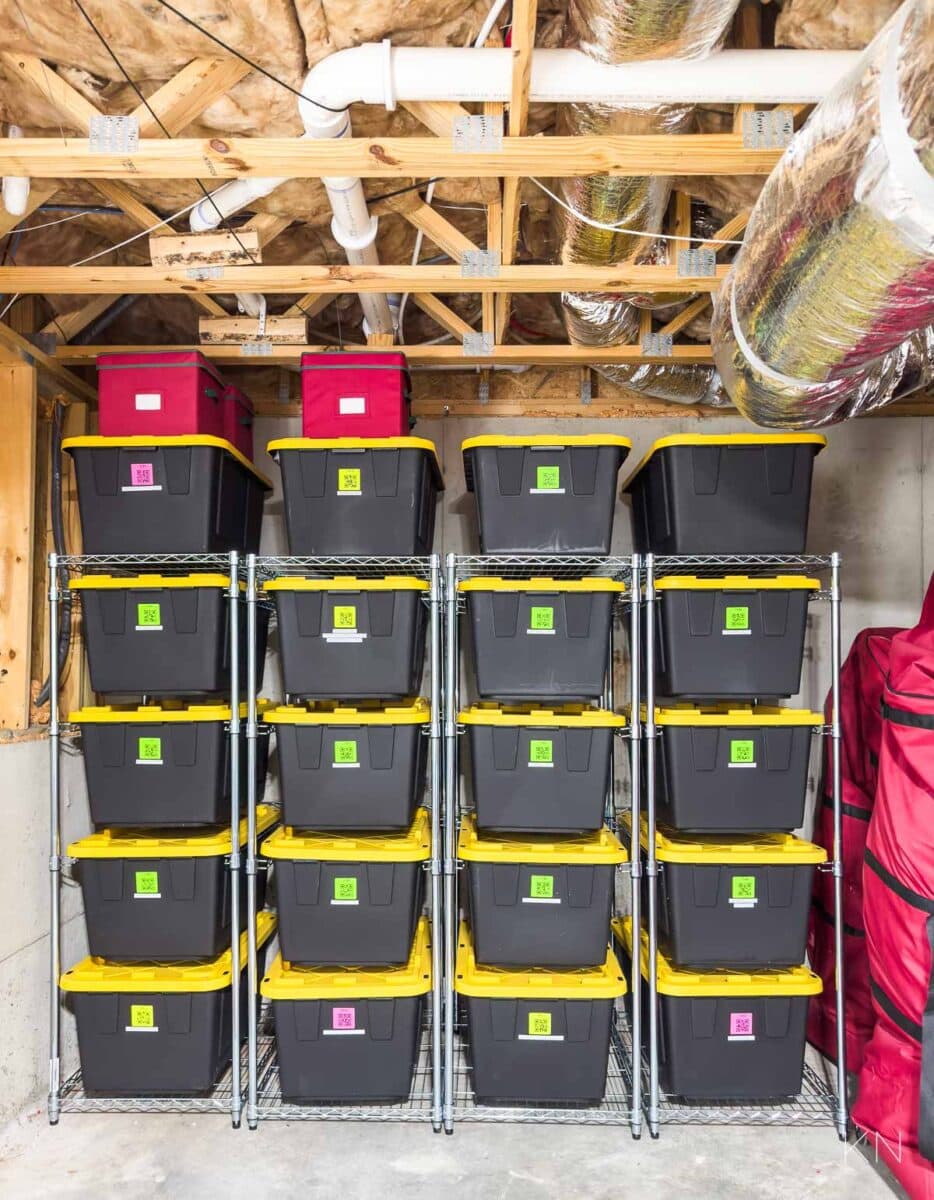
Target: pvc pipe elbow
[[354, 242]]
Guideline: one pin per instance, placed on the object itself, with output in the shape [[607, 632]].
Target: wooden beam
[[69, 325], [27, 353], [446, 317], [440, 355], [184, 97], [494, 228], [221, 247], [437, 115], [388, 158], [39, 193], [380, 341], [310, 305], [438, 229], [732, 229], [686, 315], [19, 398], [153, 281], [266, 226], [226, 331]]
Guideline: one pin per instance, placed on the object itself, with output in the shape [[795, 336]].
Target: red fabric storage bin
[[355, 395], [238, 420], [164, 394]]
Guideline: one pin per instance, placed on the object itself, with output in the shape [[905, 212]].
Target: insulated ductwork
[[828, 307], [620, 31]]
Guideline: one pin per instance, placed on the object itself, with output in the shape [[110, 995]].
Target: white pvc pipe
[[15, 187]]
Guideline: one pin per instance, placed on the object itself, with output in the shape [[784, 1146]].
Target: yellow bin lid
[[736, 583], [346, 583], [729, 441], [286, 982], [534, 983], [98, 975], [490, 583], [559, 715], [331, 712], [126, 843], [412, 846], [719, 715], [143, 441], [685, 982], [352, 444], [150, 582], [602, 848], [168, 711], [754, 849]]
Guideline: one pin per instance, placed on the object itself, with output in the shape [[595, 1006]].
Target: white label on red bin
[[343, 1021], [148, 401], [741, 1027], [142, 479], [352, 406]]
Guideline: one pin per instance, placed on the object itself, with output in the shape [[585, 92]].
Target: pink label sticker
[[343, 1018], [141, 474], [740, 1024]]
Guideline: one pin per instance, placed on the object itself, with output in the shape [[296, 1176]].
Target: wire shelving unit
[[69, 1095], [264, 1097]]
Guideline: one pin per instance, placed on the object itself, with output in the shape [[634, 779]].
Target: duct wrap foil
[[828, 307], [617, 31]]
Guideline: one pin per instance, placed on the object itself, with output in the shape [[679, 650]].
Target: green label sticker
[[345, 616], [736, 618], [542, 618], [542, 887], [541, 751], [348, 479], [147, 883], [742, 753], [148, 615], [345, 752], [149, 749], [743, 887], [539, 1024], [547, 479], [345, 887], [142, 1016]]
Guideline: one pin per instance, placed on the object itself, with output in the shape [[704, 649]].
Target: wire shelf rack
[[615, 1108], [356, 566], [707, 566], [74, 1099], [549, 566], [151, 562], [270, 1106]]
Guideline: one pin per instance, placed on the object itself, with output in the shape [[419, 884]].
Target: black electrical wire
[[413, 187], [243, 58], [58, 540]]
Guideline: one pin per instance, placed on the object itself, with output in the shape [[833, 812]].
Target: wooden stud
[[438, 229], [154, 281], [680, 320], [732, 229], [18, 394], [446, 317], [437, 115], [69, 325], [389, 158], [494, 232], [310, 305], [220, 247], [380, 341], [26, 352], [184, 97], [227, 331]]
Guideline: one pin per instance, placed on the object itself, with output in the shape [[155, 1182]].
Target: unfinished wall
[[874, 486]]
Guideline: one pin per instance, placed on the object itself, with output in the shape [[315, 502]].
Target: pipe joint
[[356, 242]]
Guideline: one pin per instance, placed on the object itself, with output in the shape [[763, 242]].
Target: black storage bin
[[163, 765], [539, 901], [727, 1035], [539, 770], [372, 496], [163, 635], [150, 1029], [347, 639], [349, 900], [538, 1036], [351, 768], [723, 769], [737, 902], [538, 639], [545, 494], [160, 897], [731, 637], [166, 495], [346, 1035], [735, 493]]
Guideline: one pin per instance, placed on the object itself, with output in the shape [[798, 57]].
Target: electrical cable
[[47, 224], [664, 237], [243, 58]]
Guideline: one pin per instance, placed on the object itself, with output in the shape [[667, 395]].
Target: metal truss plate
[[477, 134], [768, 129], [114, 135], [699, 262]]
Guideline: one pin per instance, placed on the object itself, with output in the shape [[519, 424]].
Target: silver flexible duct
[[617, 31], [828, 307]]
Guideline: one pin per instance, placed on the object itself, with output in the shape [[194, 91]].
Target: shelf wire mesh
[[709, 566], [548, 566], [332, 566]]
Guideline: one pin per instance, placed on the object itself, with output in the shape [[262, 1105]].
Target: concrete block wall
[[873, 490]]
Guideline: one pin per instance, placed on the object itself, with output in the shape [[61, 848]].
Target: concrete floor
[[184, 1156]]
